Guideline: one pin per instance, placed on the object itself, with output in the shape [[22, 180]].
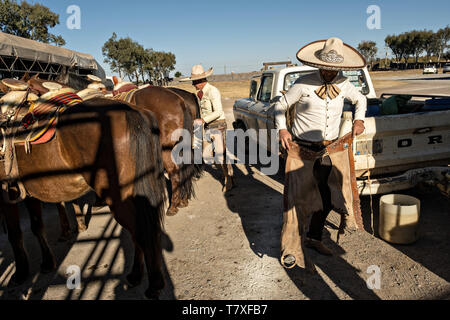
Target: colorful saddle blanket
[[126, 96], [39, 124]]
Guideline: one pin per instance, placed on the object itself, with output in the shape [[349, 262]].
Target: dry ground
[[227, 247]]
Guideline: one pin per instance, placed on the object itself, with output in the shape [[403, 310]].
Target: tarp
[[15, 46]]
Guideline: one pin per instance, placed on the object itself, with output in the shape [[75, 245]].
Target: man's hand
[[285, 138], [199, 121], [358, 128]]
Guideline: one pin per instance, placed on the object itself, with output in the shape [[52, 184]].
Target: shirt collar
[[205, 88]]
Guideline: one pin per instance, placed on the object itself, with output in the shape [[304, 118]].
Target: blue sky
[[240, 35]]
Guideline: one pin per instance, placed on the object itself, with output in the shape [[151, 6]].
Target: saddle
[[29, 120], [126, 96]]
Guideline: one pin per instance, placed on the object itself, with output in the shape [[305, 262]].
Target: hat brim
[[352, 58], [16, 85], [199, 76], [93, 78]]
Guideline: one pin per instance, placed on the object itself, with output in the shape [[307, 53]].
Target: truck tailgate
[[403, 142]]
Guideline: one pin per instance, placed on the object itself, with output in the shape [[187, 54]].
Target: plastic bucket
[[399, 218]]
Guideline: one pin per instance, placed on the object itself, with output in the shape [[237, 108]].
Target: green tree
[[430, 45], [369, 50], [110, 51], [443, 37], [31, 21], [178, 74]]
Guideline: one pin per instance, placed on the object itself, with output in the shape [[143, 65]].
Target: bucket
[[399, 218]]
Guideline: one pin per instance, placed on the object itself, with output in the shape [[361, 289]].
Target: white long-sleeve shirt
[[211, 104], [318, 119]]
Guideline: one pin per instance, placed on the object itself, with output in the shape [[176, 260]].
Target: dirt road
[[227, 247]]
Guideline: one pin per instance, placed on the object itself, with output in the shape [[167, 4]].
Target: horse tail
[[149, 184], [189, 171]]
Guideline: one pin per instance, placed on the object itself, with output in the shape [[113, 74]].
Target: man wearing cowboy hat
[[212, 115], [319, 99]]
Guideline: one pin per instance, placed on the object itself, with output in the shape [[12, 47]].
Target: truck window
[[265, 91], [358, 79], [290, 78]]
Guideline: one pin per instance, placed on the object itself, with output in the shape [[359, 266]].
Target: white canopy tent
[[19, 55]]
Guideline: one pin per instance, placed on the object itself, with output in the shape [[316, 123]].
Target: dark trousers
[[322, 170]]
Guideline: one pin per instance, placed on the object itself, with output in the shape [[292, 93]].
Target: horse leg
[[37, 227], [153, 261], [174, 175], [15, 237], [66, 232], [80, 217], [227, 170], [136, 275]]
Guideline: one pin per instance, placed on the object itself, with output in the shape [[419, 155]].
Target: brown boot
[[318, 246]]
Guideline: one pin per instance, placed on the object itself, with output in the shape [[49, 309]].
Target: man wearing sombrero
[[212, 115], [319, 166]]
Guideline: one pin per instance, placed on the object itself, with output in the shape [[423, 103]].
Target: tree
[[443, 37], [178, 74], [110, 51], [430, 44], [369, 50], [30, 21], [134, 61]]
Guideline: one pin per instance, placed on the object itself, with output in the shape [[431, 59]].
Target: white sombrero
[[198, 73], [331, 54], [15, 85], [93, 78], [52, 86]]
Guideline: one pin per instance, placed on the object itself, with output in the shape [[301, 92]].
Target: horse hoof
[[17, 280], [183, 204], [133, 281], [172, 211], [81, 228], [152, 294]]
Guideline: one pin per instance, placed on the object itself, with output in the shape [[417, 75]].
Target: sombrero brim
[[93, 78], [16, 85], [308, 55], [194, 77]]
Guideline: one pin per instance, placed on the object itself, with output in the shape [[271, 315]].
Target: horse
[[112, 148], [192, 102], [172, 114], [36, 87]]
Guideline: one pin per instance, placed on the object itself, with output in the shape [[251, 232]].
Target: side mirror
[[253, 89]]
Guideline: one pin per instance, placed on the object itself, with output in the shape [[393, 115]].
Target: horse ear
[[36, 76], [25, 77]]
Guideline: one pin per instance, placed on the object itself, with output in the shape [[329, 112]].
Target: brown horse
[[111, 148], [172, 114]]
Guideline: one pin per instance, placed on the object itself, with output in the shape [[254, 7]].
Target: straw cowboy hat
[[15, 85], [93, 78], [331, 54], [198, 73]]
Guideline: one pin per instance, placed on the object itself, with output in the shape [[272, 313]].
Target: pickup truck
[[395, 152]]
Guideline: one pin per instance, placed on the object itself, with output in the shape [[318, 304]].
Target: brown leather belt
[[323, 143]]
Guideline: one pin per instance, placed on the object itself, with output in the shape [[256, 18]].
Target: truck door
[[259, 109]]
